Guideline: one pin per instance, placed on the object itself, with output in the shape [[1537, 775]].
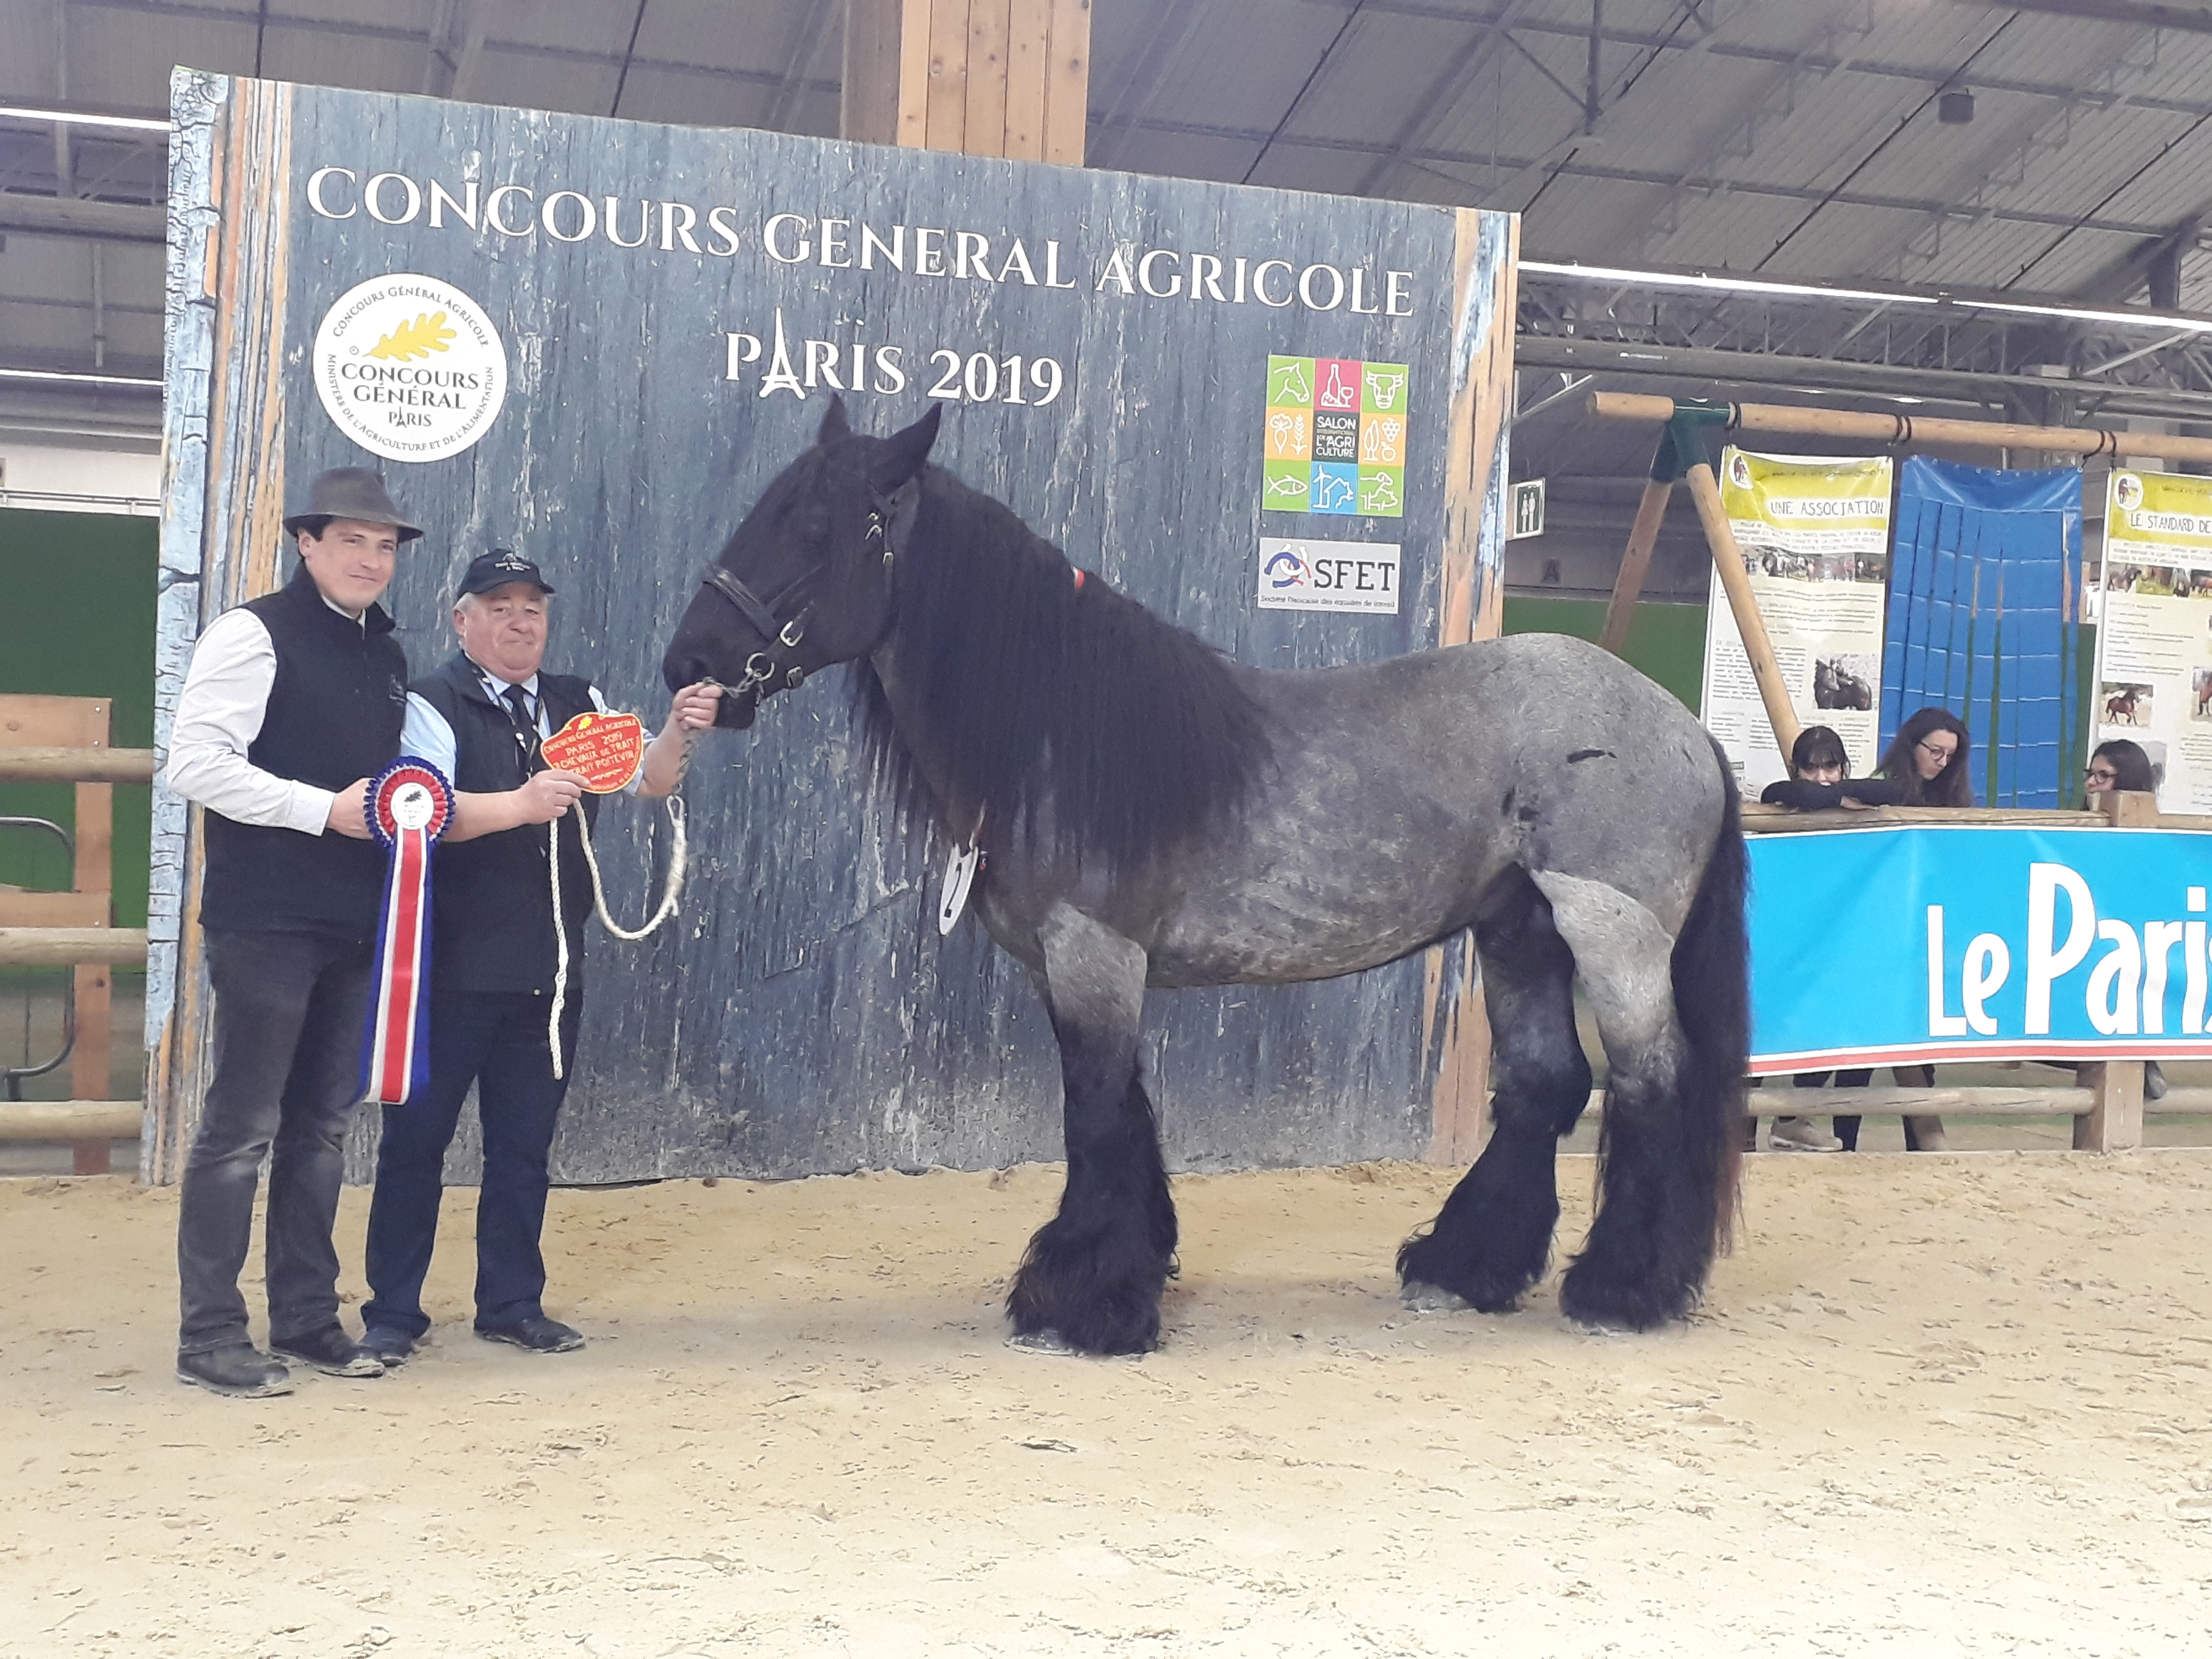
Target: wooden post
[[1628, 586], [66, 727], [987, 77], [2114, 1121], [1727, 559]]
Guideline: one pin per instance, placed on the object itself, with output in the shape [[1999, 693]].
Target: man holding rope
[[499, 957]]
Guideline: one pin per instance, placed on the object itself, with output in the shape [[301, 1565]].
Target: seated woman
[[2119, 764], [1818, 759], [2122, 764], [1927, 764]]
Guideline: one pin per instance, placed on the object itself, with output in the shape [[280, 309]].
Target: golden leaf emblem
[[426, 334]]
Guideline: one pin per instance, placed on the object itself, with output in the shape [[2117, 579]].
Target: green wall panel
[[77, 620], [1667, 642]]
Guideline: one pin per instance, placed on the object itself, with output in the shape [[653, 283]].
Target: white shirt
[[428, 737], [219, 714]]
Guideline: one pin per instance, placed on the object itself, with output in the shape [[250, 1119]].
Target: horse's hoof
[[1045, 1342], [1432, 1298]]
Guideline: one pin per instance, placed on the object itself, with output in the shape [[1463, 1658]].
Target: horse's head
[[805, 581]]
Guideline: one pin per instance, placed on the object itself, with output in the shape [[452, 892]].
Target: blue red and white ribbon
[[410, 803]]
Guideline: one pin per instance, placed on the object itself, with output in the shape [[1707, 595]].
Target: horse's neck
[[920, 732]]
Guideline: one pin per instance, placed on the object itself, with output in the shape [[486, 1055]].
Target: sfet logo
[[1310, 576]]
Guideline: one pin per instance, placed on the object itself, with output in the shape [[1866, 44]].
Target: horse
[[2121, 707], [1154, 815]]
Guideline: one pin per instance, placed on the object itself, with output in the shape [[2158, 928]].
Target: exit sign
[[1528, 509]]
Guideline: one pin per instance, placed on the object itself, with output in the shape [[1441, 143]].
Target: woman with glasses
[[2122, 764], [2119, 764]]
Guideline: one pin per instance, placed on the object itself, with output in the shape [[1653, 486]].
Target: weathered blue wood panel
[[804, 1015]]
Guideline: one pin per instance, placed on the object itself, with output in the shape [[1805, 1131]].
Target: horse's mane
[[1057, 706]]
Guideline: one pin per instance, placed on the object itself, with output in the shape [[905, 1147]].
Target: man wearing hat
[[494, 956], [292, 702]]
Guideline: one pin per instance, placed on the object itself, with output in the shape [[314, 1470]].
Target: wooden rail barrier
[[2107, 1104], [65, 740], [46, 763]]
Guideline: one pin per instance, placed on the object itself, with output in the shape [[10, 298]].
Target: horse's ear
[[834, 426], [900, 455]]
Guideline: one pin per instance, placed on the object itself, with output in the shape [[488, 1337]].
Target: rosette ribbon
[[409, 805]]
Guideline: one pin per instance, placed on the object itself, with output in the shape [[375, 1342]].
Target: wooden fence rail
[[48, 764]]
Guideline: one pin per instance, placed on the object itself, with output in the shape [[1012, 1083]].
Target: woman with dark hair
[[2122, 764], [1817, 759], [2119, 764], [1926, 765], [1928, 759]]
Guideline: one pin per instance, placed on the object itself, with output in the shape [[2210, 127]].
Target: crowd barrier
[[65, 740]]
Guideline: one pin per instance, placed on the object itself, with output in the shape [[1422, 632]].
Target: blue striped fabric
[[1983, 619]]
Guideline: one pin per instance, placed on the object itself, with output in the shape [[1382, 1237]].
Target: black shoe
[[539, 1334], [2153, 1080], [390, 1346], [329, 1350], [240, 1371]]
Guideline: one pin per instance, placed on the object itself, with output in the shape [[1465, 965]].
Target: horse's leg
[[1670, 1141], [1493, 1237], [1094, 1273]]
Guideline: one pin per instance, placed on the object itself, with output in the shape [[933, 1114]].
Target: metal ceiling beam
[[457, 41], [1759, 368], [1468, 62], [103, 222], [1134, 95], [1518, 167], [816, 25], [2185, 20]]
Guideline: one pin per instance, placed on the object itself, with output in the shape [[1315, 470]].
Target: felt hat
[[351, 492]]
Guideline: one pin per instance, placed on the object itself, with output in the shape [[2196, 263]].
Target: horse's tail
[[1711, 970]]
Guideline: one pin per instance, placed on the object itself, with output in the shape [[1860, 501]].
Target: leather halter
[[889, 516]]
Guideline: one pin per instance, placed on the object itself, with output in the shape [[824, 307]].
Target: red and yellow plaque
[[604, 749]]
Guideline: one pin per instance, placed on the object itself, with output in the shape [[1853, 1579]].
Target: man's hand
[[349, 810], [548, 795], [694, 706]]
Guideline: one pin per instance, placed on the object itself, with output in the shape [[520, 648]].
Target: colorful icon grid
[[1334, 437]]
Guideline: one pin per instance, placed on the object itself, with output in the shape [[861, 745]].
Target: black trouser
[[1847, 1128], [496, 1040], [289, 1015]]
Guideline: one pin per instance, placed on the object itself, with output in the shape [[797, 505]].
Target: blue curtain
[[1982, 621]]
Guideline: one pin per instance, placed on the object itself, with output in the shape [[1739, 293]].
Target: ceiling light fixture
[[2171, 321], [79, 118]]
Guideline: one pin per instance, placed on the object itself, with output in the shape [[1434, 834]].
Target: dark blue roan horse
[[1155, 814]]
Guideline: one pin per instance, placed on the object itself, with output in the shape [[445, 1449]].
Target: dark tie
[[526, 724]]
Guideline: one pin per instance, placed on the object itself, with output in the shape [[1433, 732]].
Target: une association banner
[[1815, 535], [2154, 630], [1889, 945]]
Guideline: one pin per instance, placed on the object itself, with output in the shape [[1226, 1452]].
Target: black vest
[[335, 711], [492, 898]]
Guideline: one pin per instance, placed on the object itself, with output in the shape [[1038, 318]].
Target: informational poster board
[[1277, 419], [2154, 630], [1814, 534]]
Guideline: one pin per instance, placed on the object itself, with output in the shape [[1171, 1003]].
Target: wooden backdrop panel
[[804, 1015]]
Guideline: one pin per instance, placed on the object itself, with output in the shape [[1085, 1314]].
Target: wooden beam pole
[[1904, 430], [1635, 563], [985, 77], [1727, 559]]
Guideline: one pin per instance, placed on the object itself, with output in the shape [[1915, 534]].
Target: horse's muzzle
[[734, 713]]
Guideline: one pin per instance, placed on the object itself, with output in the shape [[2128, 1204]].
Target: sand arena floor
[[1957, 1404]]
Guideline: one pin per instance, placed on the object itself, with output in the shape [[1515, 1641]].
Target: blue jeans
[[496, 1041], [289, 1010]]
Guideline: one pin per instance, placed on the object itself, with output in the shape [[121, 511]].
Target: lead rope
[[672, 892]]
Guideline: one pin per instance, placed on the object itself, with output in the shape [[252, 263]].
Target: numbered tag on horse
[[959, 877], [607, 749]]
